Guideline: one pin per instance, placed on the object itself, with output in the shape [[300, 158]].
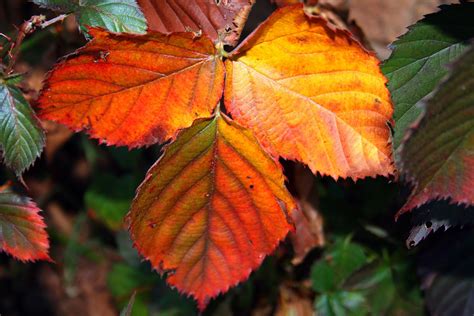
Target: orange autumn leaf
[[210, 209], [312, 95], [135, 90], [220, 20]]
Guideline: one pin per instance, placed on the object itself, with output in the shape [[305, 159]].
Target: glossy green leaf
[[419, 58], [113, 15], [438, 156], [21, 136]]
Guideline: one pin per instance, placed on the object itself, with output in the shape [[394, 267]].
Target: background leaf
[[222, 208], [114, 15], [448, 277], [220, 20], [438, 157], [419, 59], [22, 230], [21, 136], [312, 95], [109, 197], [437, 215]]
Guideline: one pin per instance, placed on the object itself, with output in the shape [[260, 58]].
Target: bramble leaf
[[437, 215], [438, 156], [312, 95], [21, 136], [220, 20], [22, 230], [210, 209], [447, 274], [135, 90], [115, 15], [419, 59]]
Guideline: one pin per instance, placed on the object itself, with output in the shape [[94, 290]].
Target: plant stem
[[25, 29]]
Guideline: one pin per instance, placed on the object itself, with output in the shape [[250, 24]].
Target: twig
[[25, 29]]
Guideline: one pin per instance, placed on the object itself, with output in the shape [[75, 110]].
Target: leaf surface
[[135, 90], [210, 209], [22, 230], [438, 156], [419, 59], [21, 136], [435, 216], [115, 15], [447, 275], [220, 20], [312, 95]]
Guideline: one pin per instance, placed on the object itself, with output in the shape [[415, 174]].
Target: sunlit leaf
[[135, 90], [22, 230], [221, 20], [210, 209], [420, 57], [312, 95]]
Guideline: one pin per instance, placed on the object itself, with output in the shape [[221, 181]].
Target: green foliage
[[416, 65], [127, 311], [350, 282], [108, 198], [114, 15], [21, 136]]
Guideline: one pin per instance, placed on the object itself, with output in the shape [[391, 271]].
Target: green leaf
[[344, 259], [419, 57], [22, 230], [114, 15], [109, 197], [127, 311], [438, 156], [341, 304], [21, 136], [323, 278]]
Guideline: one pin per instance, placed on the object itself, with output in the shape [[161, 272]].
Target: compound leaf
[[220, 20], [135, 90], [21, 136], [22, 230], [419, 58], [210, 209], [312, 95], [115, 15], [438, 156]]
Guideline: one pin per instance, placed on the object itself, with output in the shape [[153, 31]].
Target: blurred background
[[351, 257]]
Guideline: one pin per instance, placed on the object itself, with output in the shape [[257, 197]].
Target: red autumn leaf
[[221, 20], [135, 90], [22, 230], [210, 209], [438, 154], [312, 95]]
